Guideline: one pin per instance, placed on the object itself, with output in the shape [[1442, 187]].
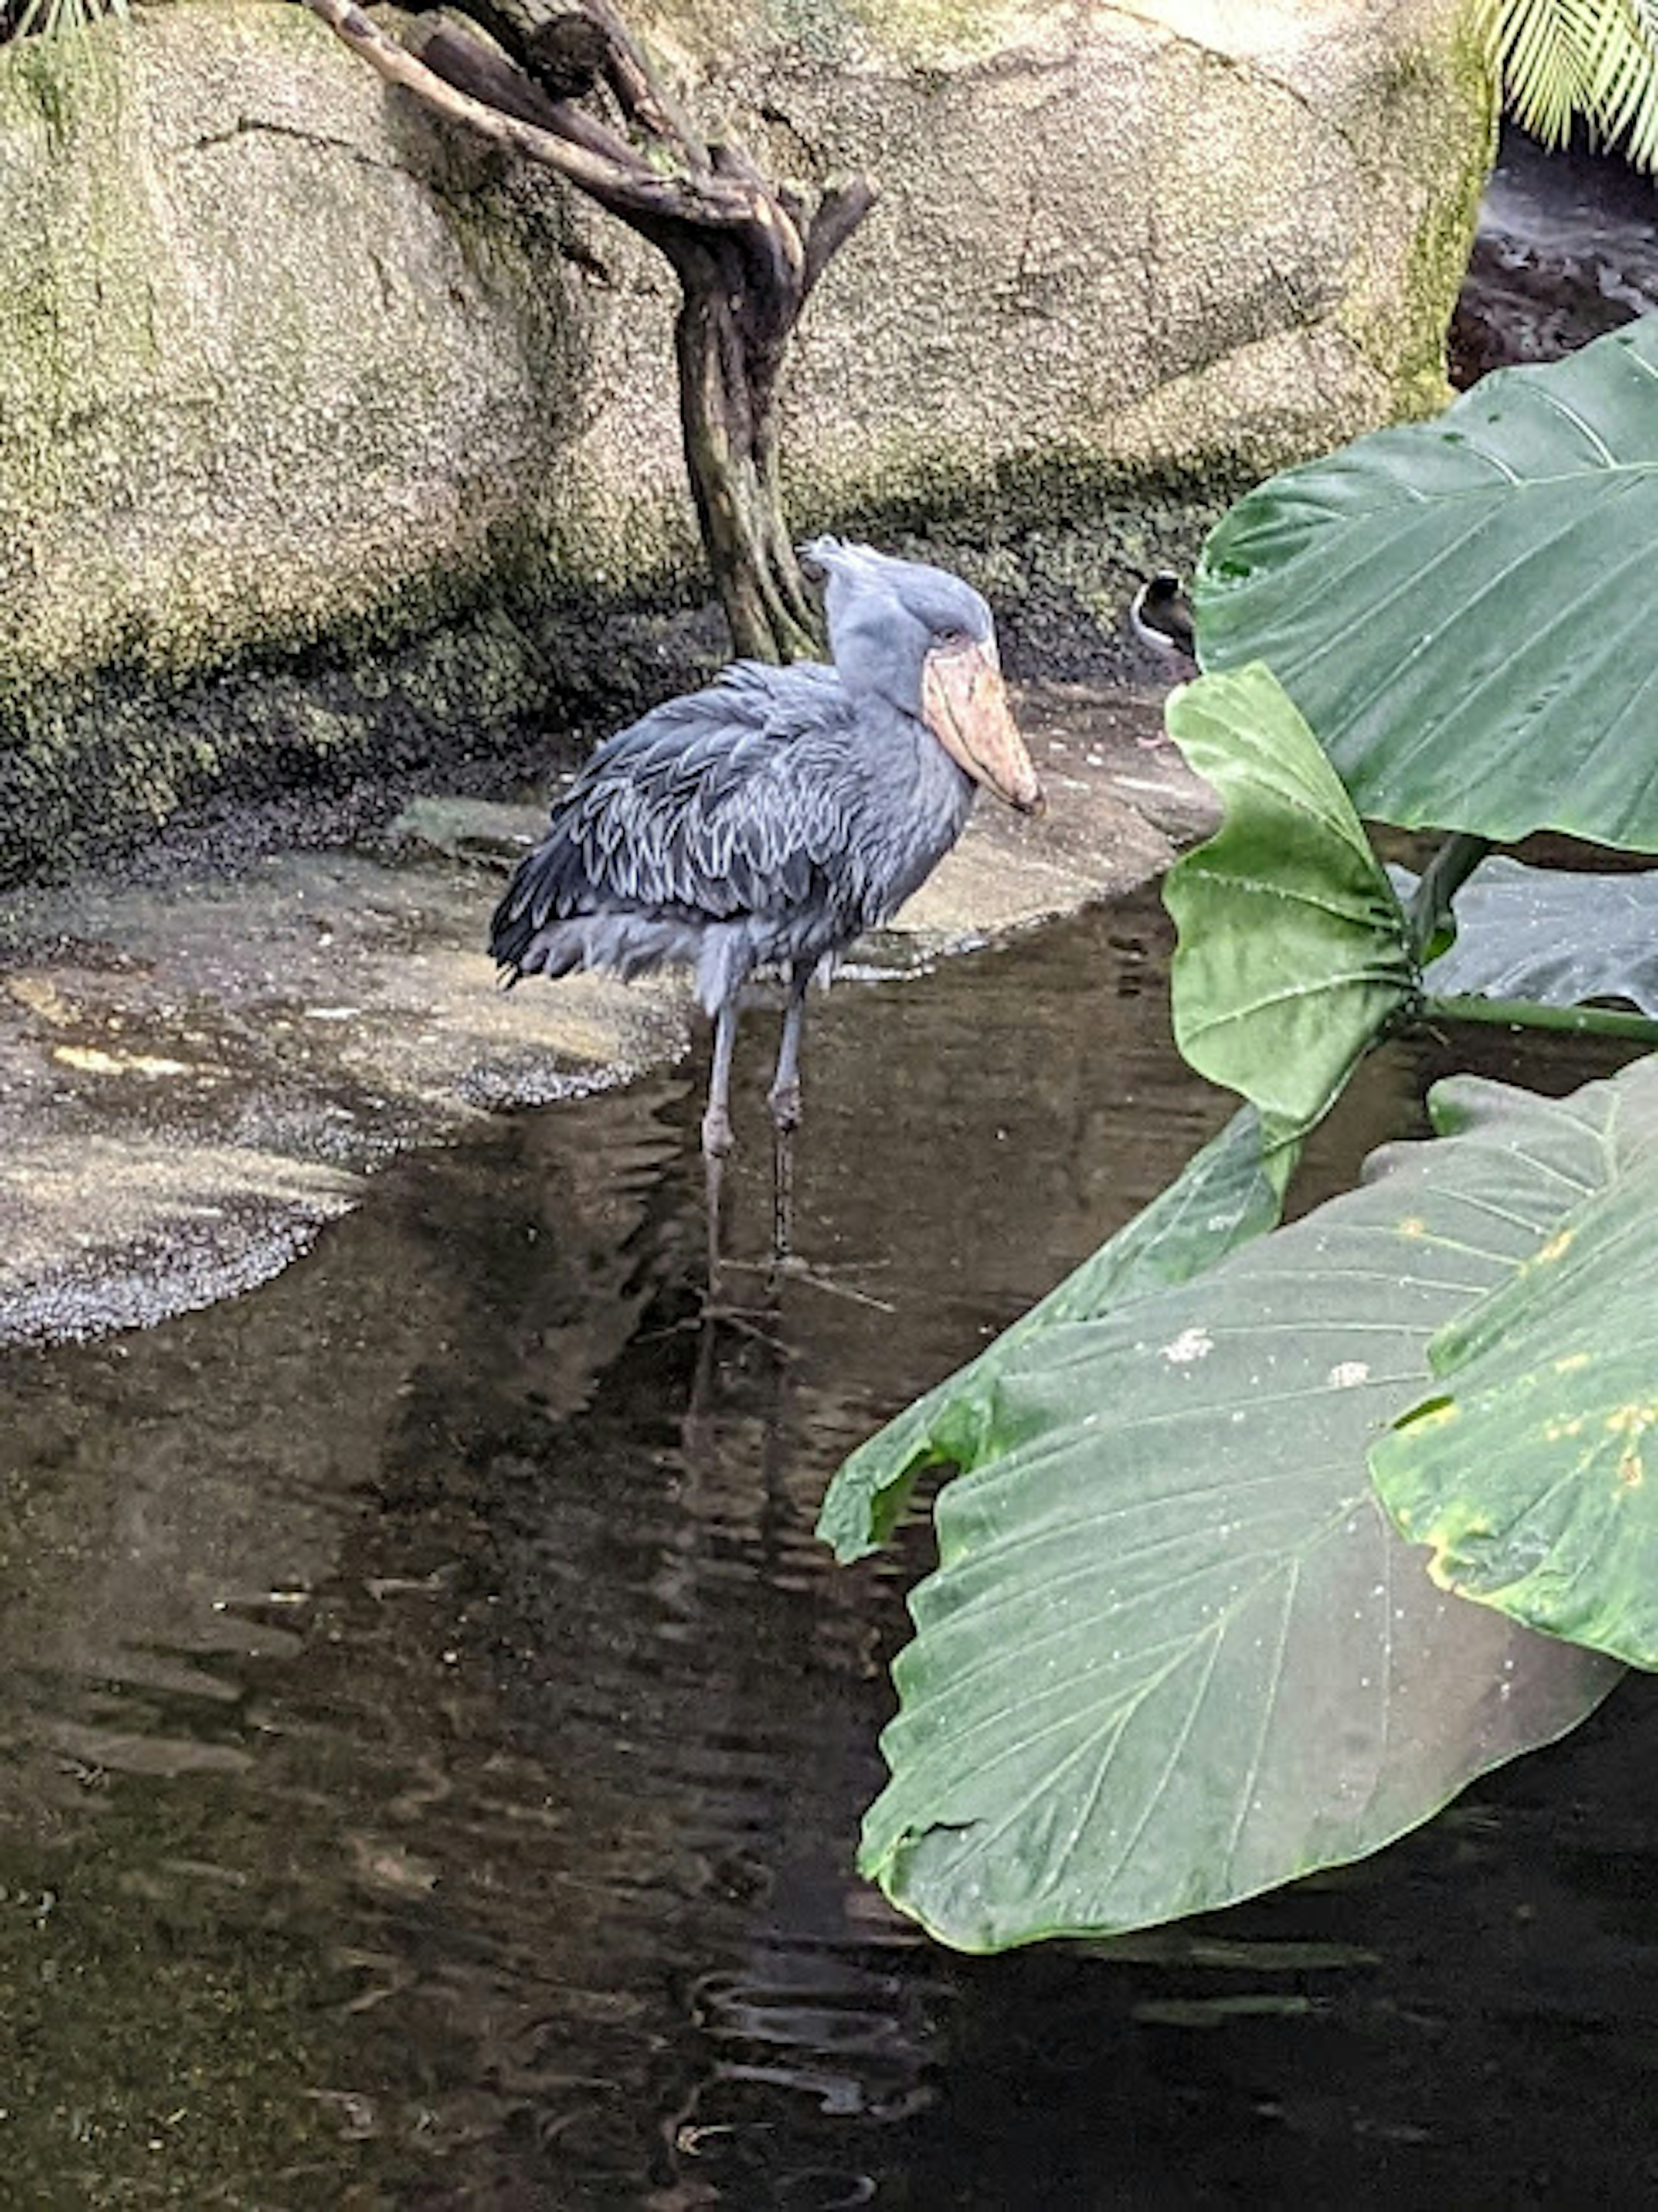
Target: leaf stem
[[1444, 877], [1532, 1014]]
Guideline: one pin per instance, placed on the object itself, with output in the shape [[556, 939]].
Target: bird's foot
[[790, 1268]]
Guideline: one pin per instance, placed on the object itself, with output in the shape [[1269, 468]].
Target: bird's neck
[[910, 763], [944, 779], [916, 802]]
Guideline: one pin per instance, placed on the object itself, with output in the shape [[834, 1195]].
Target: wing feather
[[735, 800]]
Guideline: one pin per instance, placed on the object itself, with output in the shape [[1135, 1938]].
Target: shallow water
[[432, 1743]]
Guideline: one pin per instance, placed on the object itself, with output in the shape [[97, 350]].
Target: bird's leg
[[782, 1219], [716, 1144], [714, 1170], [716, 1118], [784, 1099]]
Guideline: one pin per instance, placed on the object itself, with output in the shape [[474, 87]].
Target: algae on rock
[[315, 418]]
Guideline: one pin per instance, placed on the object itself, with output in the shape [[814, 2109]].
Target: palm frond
[[1627, 89], [1594, 61], [55, 19]]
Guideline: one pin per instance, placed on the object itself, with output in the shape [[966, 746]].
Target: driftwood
[[747, 253]]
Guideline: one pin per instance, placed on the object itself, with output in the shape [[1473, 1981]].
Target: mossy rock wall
[[1206, 234], [328, 439]]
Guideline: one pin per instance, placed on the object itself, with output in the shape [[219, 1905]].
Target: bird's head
[[923, 640]]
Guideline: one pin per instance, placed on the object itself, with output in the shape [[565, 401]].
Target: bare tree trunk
[[747, 255], [727, 414]]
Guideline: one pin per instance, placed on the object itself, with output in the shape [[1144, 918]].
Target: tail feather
[[549, 881], [553, 920], [622, 944]]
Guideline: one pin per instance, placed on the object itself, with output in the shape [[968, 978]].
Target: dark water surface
[[432, 1743]]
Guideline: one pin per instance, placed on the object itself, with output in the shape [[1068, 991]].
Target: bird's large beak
[[965, 703]]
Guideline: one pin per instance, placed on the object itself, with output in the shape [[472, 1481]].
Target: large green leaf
[[1528, 1470], [1557, 937], [1293, 953], [1225, 1195], [1461, 609], [1174, 1652]]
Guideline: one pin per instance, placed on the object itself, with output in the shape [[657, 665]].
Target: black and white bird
[[764, 823], [1160, 615]]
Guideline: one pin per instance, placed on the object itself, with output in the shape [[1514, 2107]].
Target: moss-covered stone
[[326, 436]]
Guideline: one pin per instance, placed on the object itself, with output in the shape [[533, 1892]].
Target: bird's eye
[[952, 637]]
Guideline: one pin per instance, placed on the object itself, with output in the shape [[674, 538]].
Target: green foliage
[[1596, 61], [1564, 938], [1528, 1470], [1293, 952], [1459, 608], [1178, 1647], [1174, 1652], [55, 19]]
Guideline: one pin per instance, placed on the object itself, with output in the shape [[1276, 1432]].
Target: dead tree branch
[[747, 253]]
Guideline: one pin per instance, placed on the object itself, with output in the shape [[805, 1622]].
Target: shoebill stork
[[764, 823]]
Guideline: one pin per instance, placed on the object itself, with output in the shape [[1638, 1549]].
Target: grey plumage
[[766, 822], [745, 827]]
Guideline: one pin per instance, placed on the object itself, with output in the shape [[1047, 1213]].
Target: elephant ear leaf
[[1533, 1467], [1293, 953], [1174, 1651], [1559, 938], [1228, 1192], [1461, 609]]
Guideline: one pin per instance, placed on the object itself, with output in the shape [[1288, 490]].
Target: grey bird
[[764, 823]]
